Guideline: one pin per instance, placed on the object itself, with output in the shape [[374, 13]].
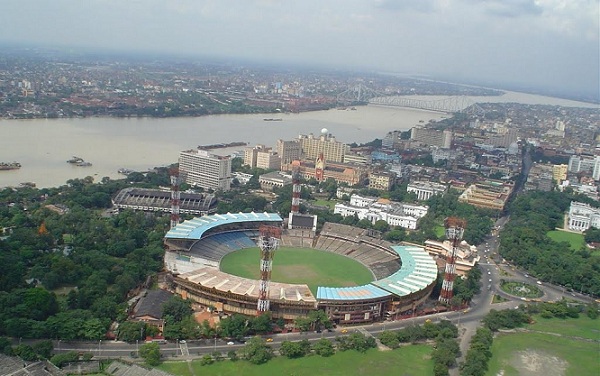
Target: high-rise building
[[268, 160], [331, 149], [559, 173], [596, 171], [432, 137], [289, 151], [205, 170], [251, 154]]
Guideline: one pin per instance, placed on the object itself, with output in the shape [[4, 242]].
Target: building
[[149, 308], [263, 157], [359, 159], [382, 180], [340, 172], [583, 163], [424, 189], [559, 173], [374, 209], [489, 194], [432, 137], [289, 151], [583, 216], [596, 170], [466, 255], [156, 200], [275, 179], [332, 150], [202, 169]]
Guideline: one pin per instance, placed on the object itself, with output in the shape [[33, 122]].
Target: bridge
[[363, 94]]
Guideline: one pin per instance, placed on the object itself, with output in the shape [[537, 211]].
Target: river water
[[43, 146]]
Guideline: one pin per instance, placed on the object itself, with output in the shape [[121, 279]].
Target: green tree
[[256, 351], [44, 349], [150, 352], [291, 349], [235, 326], [177, 308], [323, 347]]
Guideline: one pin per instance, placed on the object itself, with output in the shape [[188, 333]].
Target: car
[[230, 343], [489, 272], [182, 341], [539, 282], [526, 275], [344, 330], [269, 339]]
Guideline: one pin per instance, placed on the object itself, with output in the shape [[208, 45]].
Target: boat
[[10, 166], [83, 164], [27, 184], [273, 119], [75, 160], [125, 171]]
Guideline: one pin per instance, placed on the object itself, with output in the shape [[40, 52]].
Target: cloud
[[424, 6], [510, 8]]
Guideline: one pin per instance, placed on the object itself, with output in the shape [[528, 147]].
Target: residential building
[[332, 150], [289, 151], [488, 194], [202, 169], [559, 172], [382, 180]]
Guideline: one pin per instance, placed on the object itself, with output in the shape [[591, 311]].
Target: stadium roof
[[351, 293], [195, 228], [210, 277], [418, 271]]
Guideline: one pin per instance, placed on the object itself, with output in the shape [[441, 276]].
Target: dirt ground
[[537, 363]]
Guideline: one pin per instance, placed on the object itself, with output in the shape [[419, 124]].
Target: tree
[[235, 326], [44, 349], [291, 349], [150, 352], [323, 347], [381, 226], [177, 308], [257, 351], [389, 339], [262, 324]]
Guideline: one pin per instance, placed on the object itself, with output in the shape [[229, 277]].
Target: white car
[[230, 343]]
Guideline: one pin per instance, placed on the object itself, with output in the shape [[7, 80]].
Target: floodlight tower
[[455, 228], [268, 241], [175, 196], [296, 189]]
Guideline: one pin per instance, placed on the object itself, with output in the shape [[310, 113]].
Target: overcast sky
[[547, 44]]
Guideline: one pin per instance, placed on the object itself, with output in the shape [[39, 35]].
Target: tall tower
[[455, 228], [296, 189], [319, 168], [268, 242], [175, 196]]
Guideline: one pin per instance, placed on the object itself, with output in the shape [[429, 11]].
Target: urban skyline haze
[[550, 46]]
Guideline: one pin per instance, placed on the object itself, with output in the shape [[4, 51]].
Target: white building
[[205, 170], [424, 190], [373, 209], [583, 216]]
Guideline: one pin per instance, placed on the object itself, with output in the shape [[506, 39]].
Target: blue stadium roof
[[418, 271], [194, 228], [351, 293]]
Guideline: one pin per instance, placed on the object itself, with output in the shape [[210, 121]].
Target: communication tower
[[455, 228], [268, 242], [175, 196]]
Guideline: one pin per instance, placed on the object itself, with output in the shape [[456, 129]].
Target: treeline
[[525, 243], [67, 274]]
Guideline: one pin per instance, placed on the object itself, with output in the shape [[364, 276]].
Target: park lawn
[[329, 203], [583, 326], [413, 360], [576, 241], [300, 266], [529, 354]]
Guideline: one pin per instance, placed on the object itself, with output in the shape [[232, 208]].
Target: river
[[43, 146]]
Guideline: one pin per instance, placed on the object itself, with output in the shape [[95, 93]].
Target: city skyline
[[550, 46]]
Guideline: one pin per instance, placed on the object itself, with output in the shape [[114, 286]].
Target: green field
[[411, 360], [583, 327], [440, 232], [300, 265], [575, 240], [329, 203], [553, 349], [521, 289]]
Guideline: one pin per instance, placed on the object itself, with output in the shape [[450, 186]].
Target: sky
[[548, 45]]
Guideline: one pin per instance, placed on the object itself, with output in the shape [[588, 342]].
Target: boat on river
[[9, 166], [75, 160]]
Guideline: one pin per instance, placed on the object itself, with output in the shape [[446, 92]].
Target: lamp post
[[99, 347], [137, 348]]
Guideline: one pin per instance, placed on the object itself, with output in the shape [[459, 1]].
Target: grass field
[[556, 351], [406, 361], [583, 327], [300, 265], [440, 232], [330, 204], [575, 241], [533, 354]]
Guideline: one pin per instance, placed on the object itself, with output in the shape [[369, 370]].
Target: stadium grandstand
[[404, 276], [156, 200]]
